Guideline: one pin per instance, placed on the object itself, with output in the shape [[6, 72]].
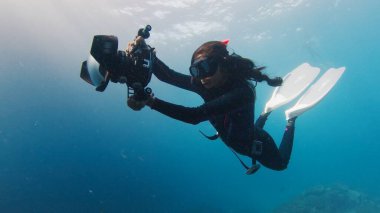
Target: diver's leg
[[286, 145], [260, 122], [270, 156]]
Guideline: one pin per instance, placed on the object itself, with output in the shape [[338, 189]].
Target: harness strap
[[250, 170], [212, 138], [241, 161]]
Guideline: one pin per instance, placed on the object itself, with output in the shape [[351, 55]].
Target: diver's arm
[[165, 74], [194, 115]]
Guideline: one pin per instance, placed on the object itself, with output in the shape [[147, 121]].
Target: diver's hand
[[137, 105], [132, 44]]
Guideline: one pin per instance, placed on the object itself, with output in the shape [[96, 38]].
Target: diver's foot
[[265, 114], [260, 122], [291, 122]]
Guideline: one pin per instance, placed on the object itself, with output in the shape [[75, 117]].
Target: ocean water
[[66, 148]]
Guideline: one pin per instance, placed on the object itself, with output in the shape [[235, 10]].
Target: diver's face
[[215, 80]]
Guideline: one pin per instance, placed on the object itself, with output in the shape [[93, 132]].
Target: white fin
[[293, 84], [316, 92]]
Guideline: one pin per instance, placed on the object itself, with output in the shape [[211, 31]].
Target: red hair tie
[[225, 41]]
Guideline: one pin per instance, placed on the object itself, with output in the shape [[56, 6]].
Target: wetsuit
[[230, 109]]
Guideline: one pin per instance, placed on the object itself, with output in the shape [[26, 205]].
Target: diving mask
[[204, 67]]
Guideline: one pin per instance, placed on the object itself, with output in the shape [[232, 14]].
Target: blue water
[[66, 148]]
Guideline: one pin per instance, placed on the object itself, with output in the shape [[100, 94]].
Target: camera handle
[[139, 92], [144, 32], [137, 89]]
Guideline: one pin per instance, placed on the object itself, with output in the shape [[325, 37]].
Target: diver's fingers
[[134, 104], [139, 40], [136, 42], [131, 102], [130, 47]]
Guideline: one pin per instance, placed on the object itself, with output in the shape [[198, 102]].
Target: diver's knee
[[281, 167]]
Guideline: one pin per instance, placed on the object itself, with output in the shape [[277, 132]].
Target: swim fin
[[316, 92], [293, 84]]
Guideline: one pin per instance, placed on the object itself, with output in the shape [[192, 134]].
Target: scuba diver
[[227, 82], [223, 80]]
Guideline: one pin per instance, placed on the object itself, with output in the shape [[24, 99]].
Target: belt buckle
[[257, 148]]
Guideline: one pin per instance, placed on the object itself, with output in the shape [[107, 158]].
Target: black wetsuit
[[230, 110]]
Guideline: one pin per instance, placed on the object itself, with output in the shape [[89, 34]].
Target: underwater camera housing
[[107, 63]]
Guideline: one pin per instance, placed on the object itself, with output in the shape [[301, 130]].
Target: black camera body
[[107, 63]]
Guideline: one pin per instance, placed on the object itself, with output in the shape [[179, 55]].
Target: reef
[[331, 199]]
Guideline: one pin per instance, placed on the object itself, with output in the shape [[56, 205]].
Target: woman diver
[[223, 80]]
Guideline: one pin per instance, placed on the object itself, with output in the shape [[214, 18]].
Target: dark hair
[[238, 68]]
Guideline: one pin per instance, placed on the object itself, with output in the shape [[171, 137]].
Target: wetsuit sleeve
[[219, 106], [165, 74]]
